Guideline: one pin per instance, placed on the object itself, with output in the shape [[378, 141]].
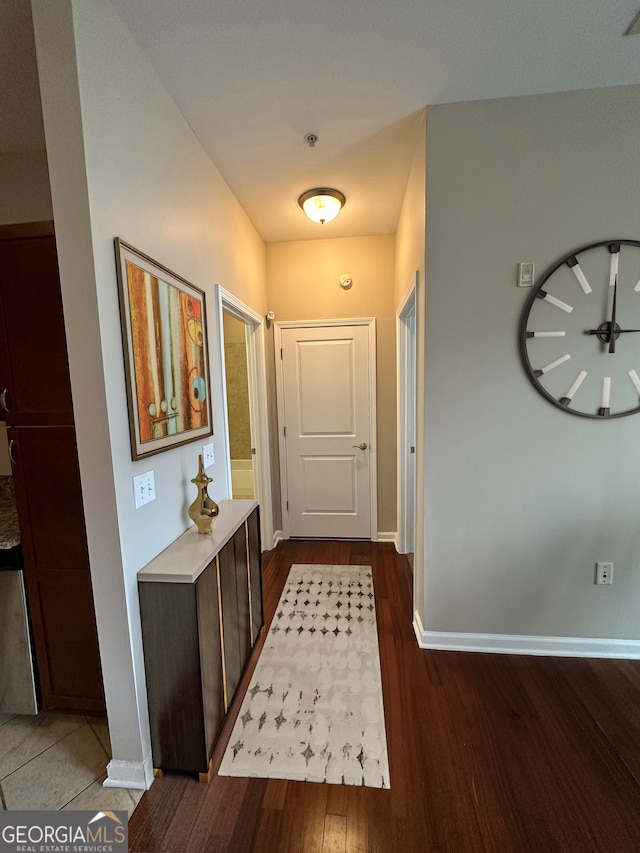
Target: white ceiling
[[253, 77]]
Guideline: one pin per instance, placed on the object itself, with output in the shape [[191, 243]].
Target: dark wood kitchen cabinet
[[34, 373], [201, 612], [35, 403]]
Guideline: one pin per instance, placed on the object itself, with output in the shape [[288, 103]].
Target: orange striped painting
[[169, 389]]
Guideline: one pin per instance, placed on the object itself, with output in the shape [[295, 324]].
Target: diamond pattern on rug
[[313, 711]]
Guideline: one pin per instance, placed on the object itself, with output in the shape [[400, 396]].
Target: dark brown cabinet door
[[34, 374], [36, 403], [255, 573], [49, 500], [181, 633], [233, 660]]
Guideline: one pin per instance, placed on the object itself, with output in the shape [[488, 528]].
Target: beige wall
[[302, 284], [410, 236]]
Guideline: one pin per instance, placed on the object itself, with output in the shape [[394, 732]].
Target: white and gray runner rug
[[313, 711]]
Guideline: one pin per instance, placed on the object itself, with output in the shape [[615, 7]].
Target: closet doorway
[[244, 383], [241, 449]]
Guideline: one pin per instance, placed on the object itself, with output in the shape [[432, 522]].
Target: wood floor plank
[[487, 753]]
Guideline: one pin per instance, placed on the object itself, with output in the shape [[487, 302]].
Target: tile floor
[[56, 761]]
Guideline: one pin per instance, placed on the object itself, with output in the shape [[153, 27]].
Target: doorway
[[244, 383], [241, 449], [326, 381], [407, 337]]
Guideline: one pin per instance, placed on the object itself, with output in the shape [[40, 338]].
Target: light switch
[[144, 489], [525, 274]]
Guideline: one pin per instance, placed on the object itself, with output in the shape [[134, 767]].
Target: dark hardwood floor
[[493, 753]]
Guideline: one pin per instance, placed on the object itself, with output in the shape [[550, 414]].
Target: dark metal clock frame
[[603, 332]]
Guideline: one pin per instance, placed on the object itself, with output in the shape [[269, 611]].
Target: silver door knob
[[362, 446]]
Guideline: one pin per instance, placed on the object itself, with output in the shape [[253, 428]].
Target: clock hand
[[612, 328], [605, 329]]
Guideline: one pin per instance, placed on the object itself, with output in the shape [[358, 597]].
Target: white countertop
[[185, 559]]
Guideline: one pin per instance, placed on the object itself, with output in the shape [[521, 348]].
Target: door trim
[[258, 406], [407, 397], [370, 322]]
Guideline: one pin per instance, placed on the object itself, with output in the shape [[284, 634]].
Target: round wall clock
[[580, 331]]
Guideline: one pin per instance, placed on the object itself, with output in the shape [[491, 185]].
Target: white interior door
[[326, 412]]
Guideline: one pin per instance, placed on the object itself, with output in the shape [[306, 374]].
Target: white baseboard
[[517, 644], [390, 536], [129, 774], [278, 536]]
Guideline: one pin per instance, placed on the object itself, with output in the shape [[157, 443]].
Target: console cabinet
[[201, 610]]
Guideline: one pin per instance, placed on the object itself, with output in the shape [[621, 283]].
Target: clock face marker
[[572, 391], [547, 297], [633, 376], [545, 334], [575, 268], [614, 248], [606, 392], [552, 365]]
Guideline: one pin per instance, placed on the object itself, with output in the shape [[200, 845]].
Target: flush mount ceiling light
[[321, 204]]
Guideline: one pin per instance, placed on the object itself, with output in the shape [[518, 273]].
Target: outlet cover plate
[[207, 454], [604, 574], [144, 489]]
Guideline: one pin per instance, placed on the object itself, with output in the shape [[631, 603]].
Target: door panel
[[327, 406], [326, 403], [39, 391]]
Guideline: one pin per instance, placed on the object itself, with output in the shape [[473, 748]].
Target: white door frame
[[407, 388], [370, 322], [258, 410]]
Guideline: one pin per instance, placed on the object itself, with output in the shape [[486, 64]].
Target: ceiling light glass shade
[[322, 204]]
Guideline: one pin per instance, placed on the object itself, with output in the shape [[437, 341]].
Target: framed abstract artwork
[[165, 350]]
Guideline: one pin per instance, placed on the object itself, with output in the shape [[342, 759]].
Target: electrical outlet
[[604, 574], [144, 489], [207, 455]]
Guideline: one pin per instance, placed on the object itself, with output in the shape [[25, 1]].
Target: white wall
[[521, 498], [124, 162]]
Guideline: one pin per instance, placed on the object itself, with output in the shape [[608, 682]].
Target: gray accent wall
[[521, 498]]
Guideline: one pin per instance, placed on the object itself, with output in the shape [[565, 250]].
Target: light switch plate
[[144, 489], [207, 454], [526, 274]]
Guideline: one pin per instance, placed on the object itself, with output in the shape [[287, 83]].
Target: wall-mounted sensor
[[345, 281], [271, 316]]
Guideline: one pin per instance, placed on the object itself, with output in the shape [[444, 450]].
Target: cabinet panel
[[233, 663], [51, 516], [37, 380], [242, 595], [181, 683], [65, 640], [255, 573], [49, 497], [210, 656]]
